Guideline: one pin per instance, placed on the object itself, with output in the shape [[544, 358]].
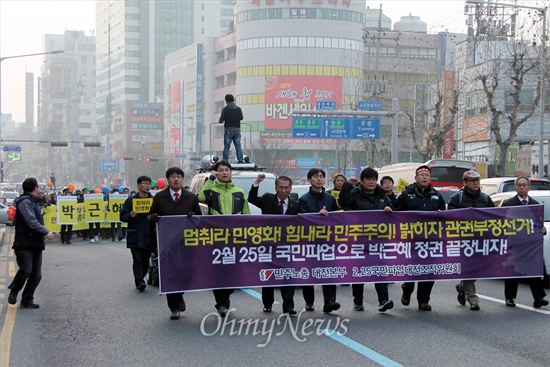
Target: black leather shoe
[[331, 306], [540, 302], [174, 315], [142, 286], [309, 306], [424, 307], [29, 305], [12, 298], [510, 302], [267, 309], [291, 312]]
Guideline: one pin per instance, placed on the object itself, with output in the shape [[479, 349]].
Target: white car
[[497, 185], [8, 197], [543, 197]]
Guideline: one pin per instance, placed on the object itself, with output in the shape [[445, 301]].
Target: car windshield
[[10, 195], [245, 183], [535, 185]]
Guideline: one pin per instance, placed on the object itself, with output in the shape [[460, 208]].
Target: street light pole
[[2, 59], [542, 95]]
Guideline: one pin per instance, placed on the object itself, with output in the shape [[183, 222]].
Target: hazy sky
[[23, 24]]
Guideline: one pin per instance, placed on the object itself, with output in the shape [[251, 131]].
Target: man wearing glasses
[[522, 186], [174, 201], [139, 239], [469, 197]]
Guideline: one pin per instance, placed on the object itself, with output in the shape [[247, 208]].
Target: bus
[[445, 172]]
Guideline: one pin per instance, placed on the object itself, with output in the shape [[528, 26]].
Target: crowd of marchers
[[222, 196]]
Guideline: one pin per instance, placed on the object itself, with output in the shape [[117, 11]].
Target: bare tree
[[272, 156], [506, 118], [428, 138]]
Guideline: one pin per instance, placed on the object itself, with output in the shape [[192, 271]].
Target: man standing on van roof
[[469, 197], [420, 196], [231, 117]]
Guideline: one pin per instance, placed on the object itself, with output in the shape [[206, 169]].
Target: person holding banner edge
[[279, 203], [139, 241], [420, 195], [174, 201], [522, 186], [223, 197]]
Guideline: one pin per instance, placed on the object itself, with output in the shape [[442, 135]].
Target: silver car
[[8, 197]]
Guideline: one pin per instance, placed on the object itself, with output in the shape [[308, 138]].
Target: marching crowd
[[222, 196]]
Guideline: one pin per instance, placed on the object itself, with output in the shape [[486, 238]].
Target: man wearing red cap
[[469, 197], [420, 195]]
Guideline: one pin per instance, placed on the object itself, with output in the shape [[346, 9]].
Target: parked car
[[543, 197], [447, 192], [496, 185], [299, 190], [8, 197], [4, 215]]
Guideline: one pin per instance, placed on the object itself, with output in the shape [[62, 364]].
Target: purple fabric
[[233, 251]]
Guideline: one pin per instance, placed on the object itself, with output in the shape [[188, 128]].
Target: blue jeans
[[235, 136]]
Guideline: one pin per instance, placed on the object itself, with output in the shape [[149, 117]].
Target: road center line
[[361, 349], [352, 344], [518, 305]]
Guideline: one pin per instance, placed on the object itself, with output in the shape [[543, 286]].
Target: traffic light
[[151, 159], [126, 158]]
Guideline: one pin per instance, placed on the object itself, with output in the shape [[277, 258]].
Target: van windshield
[[245, 183]]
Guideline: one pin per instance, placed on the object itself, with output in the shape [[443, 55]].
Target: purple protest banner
[[234, 251]]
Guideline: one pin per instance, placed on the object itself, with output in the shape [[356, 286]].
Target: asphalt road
[[91, 315]]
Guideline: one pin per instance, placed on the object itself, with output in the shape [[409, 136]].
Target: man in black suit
[[279, 203], [522, 186], [174, 201]]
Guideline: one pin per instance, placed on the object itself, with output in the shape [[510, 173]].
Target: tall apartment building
[[133, 38], [66, 102]]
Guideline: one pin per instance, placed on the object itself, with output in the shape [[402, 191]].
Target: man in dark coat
[[279, 203], [469, 197], [28, 245], [319, 201], [231, 117], [174, 201], [522, 186], [420, 196], [139, 239], [367, 196]]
